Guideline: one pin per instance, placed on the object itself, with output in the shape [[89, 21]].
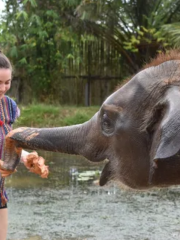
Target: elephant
[[136, 131]]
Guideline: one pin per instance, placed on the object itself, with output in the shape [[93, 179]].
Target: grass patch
[[77, 118], [41, 115]]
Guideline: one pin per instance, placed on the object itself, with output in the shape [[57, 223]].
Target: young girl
[[9, 112]]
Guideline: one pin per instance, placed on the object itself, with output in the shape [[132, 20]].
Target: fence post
[[88, 92]]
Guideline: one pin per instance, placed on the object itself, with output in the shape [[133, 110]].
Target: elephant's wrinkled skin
[[137, 129]]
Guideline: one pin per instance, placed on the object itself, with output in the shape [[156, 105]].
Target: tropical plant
[[132, 26], [46, 39], [172, 34], [36, 38]]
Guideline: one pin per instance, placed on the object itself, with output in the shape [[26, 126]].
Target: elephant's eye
[[107, 125], [106, 121]]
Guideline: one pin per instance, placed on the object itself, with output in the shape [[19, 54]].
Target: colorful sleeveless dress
[[9, 112]]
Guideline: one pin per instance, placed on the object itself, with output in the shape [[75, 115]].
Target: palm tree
[[133, 27], [172, 33]]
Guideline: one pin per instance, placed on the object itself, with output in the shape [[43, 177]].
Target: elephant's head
[[137, 129]]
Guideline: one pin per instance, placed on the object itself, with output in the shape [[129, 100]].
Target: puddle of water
[[63, 207]]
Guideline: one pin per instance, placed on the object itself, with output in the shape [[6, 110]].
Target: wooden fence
[[92, 71]]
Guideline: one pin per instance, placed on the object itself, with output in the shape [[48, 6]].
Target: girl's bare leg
[[3, 223]]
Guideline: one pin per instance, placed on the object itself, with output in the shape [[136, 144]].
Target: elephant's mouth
[[106, 174]]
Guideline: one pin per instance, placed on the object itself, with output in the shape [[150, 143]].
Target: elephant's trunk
[[78, 139]]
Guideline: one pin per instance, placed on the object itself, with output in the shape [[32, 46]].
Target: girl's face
[[5, 81]]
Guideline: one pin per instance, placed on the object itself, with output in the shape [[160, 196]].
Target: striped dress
[[9, 112]]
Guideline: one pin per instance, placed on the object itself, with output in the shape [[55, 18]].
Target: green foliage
[[145, 37], [44, 38], [172, 34], [32, 2], [36, 38], [133, 26]]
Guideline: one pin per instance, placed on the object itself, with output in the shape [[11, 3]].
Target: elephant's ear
[[166, 141]]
